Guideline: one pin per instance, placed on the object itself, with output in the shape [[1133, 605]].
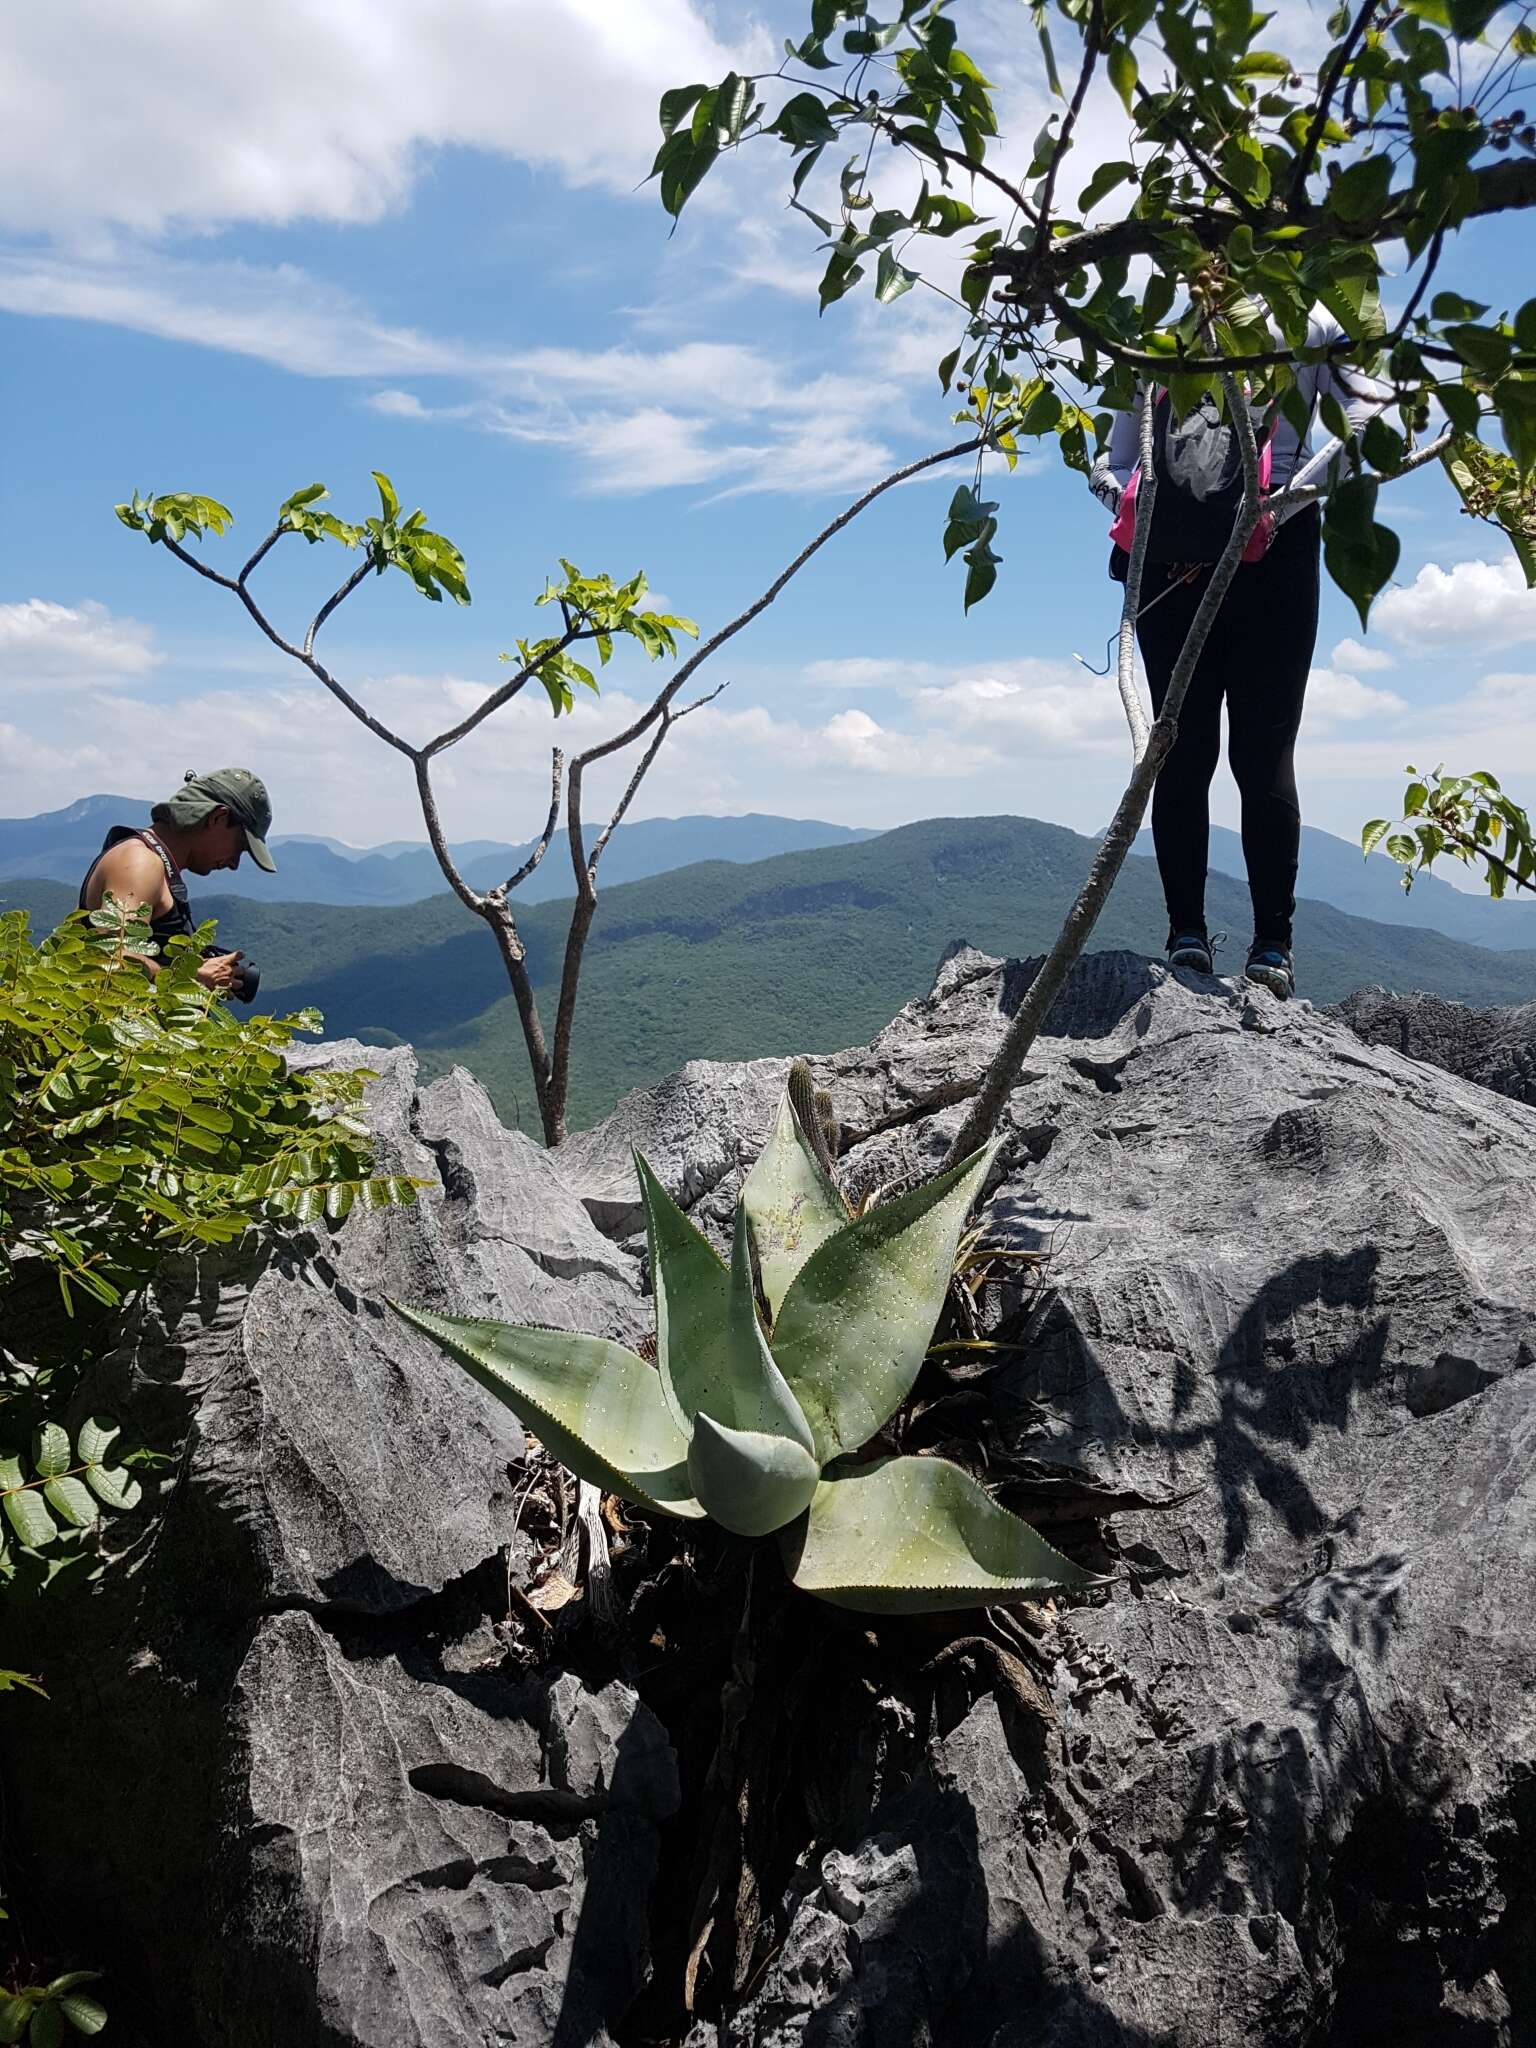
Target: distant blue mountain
[[59, 846], [1334, 871]]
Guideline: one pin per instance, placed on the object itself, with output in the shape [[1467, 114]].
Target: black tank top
[[170, 924]]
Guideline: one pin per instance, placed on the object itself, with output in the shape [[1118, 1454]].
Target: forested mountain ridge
[[804, 952]]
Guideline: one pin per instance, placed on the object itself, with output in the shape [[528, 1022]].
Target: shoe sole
[[1202, 963], [1273, 979]]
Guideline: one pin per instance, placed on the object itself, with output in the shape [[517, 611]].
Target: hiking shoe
[[1272, 968], [1191, 949]]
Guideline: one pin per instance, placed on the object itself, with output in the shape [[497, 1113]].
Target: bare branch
[[1125, 664], [717, 640], [1327, 86], [470, 898], [316, 667], [337, 597], [263, 551], [541, 844], [1064, 140], [501, 695], [1508, 186], [999, 1080]]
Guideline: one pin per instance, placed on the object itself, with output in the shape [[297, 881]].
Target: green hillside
[[807, 952]]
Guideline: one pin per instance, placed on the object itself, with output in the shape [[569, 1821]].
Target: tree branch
[[1125, 662], [316, 668], [1508, 186], [470, 898], [1327, 86], [503, 694], [1001, 1076], [541, 845], [336, 598], [1069, 122]]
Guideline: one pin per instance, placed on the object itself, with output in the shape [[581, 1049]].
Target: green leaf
[[1371, 835], [18, 1681], [792, 1205], [711, 1355], [595, 1405], [14, 2012], [387, 498], [115, 1485], [85, 2015], [1485, 350], [749, 1482], [1263, 64], [1360, 191], [25, 1508], [1123, 74], [1102, 183], [1402, 848], [915, 1536], [1525, 327], [47, 2026], [70, 1500], [1360, 555], [1515, 398], [50, 1450], [858, 1316], [678, 103], [891, 279]]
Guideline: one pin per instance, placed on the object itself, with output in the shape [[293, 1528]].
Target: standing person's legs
[[1181, 812], [1269, 645]]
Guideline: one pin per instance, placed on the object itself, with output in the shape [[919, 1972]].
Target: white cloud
[[1473, 604], [1031, 708], [163, 114], [1355, 658], [1335, 698], [865, 672], [59, 646]]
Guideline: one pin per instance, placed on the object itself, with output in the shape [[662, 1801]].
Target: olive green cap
[[241, 793]]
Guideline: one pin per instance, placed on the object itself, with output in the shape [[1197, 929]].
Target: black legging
[[1256, 659]]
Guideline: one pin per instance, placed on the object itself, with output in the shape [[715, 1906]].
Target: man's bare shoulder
[[133, 874]]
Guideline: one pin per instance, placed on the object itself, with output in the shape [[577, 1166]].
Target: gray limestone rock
[[1495, 1047], [1277, 1788]]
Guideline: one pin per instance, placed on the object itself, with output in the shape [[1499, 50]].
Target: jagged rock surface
[[1496, 1048], [311, 1818], [1283, 1787]]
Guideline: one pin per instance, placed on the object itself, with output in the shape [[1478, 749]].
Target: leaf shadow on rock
[[1293, 1363]]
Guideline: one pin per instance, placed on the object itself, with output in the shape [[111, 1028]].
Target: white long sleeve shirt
[[1293, 459]]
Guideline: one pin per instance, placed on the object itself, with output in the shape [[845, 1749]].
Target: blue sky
[[312, 240]]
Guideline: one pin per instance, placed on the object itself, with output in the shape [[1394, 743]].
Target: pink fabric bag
[[1123, 532]]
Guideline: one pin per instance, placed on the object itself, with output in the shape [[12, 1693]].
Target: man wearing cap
[[207, 825]]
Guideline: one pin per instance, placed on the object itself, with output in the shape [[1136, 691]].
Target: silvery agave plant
[[755, 1427]]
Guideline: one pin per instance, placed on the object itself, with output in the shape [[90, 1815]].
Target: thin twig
[[1327, 86], [1069, 122], [541, 844], [503, 694]]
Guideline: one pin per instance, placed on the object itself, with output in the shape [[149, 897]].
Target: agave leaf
[[760, 1396], [792, 1204], [859, 1314], [598, 1407], [916, 1535], [692, 1292], [748, 1481], [710, 1349]]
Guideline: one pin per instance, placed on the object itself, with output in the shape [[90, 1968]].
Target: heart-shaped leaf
[[598, 1407], [916, 1535], [859, 1314], [791, 1204], [749, 1482]]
